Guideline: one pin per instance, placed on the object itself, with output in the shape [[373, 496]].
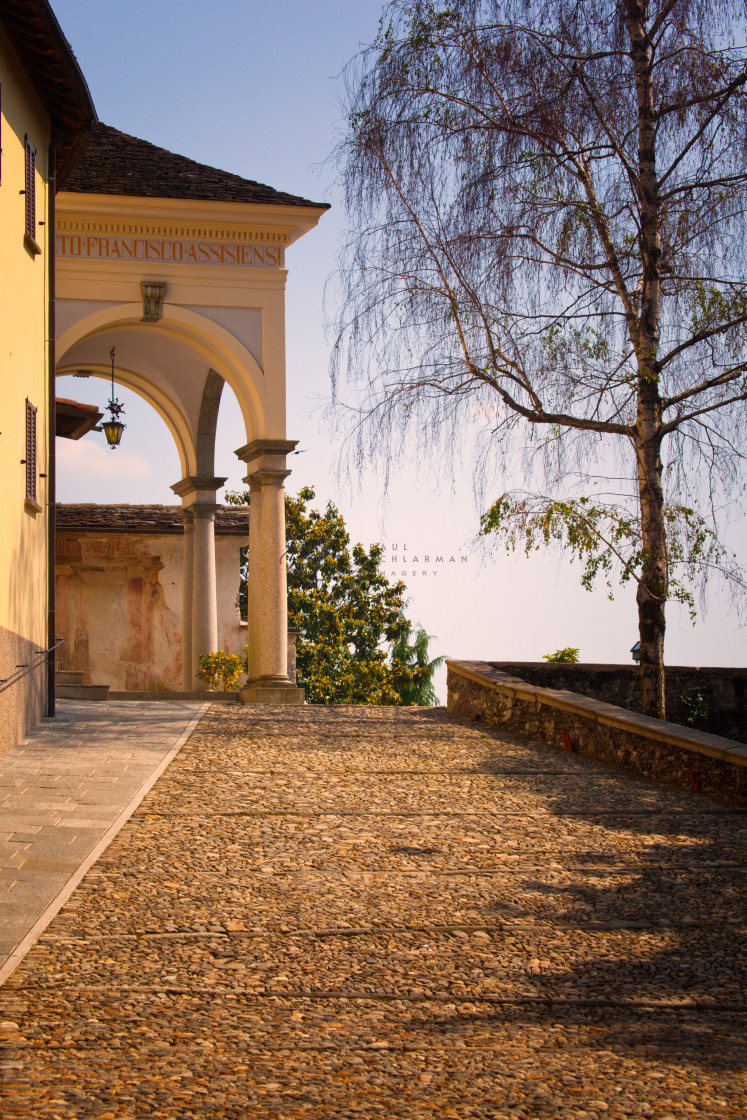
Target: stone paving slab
[[324, 913], [63, 792]]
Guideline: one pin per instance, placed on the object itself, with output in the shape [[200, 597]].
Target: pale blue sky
[[253, 88]]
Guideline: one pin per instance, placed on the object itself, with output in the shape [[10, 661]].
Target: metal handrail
[[6, 682]]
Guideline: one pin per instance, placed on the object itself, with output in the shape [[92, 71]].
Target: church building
[[123, 259]]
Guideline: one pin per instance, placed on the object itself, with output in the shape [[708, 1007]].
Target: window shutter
[[30, 452], [30, 190]]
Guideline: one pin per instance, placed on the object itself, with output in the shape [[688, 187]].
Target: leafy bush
[[695, 707], [355, 643], [221, 670], [567, 656]]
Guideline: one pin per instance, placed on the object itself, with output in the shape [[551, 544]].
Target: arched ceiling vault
[[178, 365]]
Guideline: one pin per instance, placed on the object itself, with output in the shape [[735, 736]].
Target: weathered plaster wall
[[232, 636], [119, 605]]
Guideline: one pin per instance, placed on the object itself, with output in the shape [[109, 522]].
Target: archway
[[181, 269]]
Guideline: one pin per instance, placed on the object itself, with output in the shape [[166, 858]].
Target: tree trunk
[[653, 588]]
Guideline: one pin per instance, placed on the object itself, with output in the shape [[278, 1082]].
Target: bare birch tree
[[548, 199]]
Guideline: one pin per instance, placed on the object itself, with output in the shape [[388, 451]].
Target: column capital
[[263, 448], [202, 511], [267, 478], [194, 486], [187, 515]]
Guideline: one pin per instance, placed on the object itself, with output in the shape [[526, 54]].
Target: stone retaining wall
[[723, 692], [654, 748]]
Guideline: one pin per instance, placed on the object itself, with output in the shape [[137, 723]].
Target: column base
[[271, 692]]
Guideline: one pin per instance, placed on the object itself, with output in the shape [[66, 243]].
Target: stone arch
[[211, 397], [224, 353]]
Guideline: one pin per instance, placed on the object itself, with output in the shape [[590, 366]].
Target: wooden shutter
[[30, 190], [30, 452]]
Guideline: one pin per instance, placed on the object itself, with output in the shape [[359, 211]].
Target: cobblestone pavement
[[386, 913]]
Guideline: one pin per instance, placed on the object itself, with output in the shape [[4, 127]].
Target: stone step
[[67, 676], [81, 691]]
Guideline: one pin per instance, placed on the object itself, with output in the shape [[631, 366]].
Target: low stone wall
[[654, 748], [722, 709]]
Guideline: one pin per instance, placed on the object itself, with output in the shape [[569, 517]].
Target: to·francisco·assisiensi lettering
[[167, 251]]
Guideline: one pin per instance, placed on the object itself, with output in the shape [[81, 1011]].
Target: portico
[[181, 269]]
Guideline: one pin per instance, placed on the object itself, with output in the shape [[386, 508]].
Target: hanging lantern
[[113, 427]]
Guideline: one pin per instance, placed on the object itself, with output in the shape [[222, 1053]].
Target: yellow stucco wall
[[23, 374]]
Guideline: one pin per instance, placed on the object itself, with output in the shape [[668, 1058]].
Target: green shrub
[[221, 670], [695, 707], [568, 656]]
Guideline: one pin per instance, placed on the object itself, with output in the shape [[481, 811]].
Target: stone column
[[268, 681], [205, 607], [201, 609], [188, 553], [273, 586], [253, 582]]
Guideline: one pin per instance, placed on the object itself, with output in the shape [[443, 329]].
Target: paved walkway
[[385, 913], [64, 793]]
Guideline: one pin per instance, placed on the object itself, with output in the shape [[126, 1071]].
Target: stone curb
[[37, 929]]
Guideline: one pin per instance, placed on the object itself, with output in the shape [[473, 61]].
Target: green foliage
[[696, 710], [221, 670], [353, 642], [410, 656], [606, 539], [567, 656]]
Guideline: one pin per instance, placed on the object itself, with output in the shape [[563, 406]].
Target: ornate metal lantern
[[113, 427]]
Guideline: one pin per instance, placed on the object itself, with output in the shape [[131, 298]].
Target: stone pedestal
[[268, 692]]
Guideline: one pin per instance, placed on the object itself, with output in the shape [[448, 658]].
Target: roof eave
[[53, 70]]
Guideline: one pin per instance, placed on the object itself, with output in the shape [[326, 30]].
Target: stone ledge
[[721, 692], [212, 697], [656, 748], [660, 730]]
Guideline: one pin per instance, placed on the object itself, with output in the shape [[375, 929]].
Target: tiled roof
[[91, 518], [115, 163]]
